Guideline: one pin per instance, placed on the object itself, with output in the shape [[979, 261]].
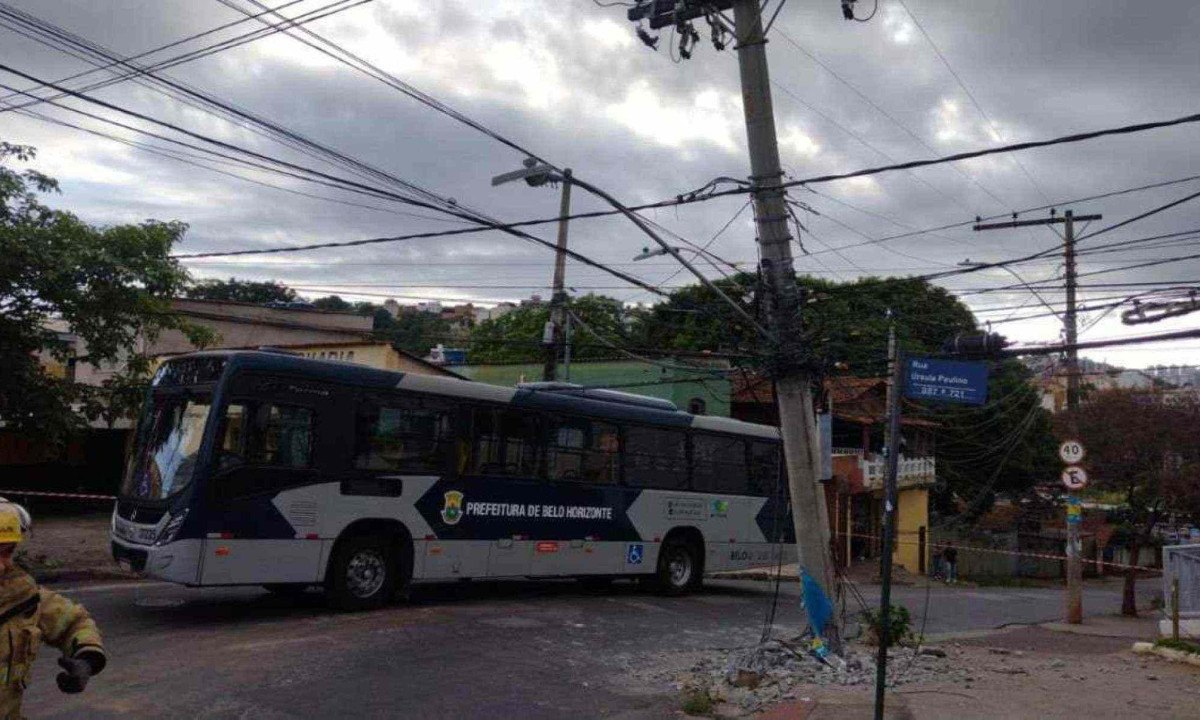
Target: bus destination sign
[[946, 381]]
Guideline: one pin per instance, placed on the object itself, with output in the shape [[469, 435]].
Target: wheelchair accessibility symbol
[[633, 555]]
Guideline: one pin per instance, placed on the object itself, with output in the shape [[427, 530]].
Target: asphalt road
[[479, 650]]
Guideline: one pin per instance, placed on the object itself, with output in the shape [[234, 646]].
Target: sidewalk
[[1049, 671], [70, 549]]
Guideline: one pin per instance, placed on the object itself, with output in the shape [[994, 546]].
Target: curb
[[58, 577], [1178, 656]]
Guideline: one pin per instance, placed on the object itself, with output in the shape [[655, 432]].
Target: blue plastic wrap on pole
[[816, 603]]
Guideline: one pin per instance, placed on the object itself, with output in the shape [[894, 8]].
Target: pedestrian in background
[[30, 616], [950, 560]]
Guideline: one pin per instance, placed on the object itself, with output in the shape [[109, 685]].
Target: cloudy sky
[[569, 80]]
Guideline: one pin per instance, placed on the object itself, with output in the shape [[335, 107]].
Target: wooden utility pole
[[1071, 337], [1071, 324], [793, 382]]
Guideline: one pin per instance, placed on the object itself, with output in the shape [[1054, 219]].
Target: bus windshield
[[168, 445]]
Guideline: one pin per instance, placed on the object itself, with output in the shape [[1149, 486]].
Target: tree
[[517, 335], [332, 303], [846, 324], [108, 285], [1005, 447], [1002, 448], [1148, 451], [247, 291], [416, 332]]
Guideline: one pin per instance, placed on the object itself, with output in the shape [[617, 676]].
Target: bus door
[[276, 434], [501, 471], [582, 468]]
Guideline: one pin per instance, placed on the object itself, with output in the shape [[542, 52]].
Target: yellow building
[[381, 355]]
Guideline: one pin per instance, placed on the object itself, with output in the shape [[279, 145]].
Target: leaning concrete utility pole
[[793, 383], [788, 362]]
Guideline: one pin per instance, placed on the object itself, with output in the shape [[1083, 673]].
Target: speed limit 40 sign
[[1071, 452]]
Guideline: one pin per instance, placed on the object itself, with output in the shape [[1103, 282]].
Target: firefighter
[[30, 615]]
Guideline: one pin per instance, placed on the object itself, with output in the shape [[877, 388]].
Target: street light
[[537, 174], [968, 264], [647, 253]]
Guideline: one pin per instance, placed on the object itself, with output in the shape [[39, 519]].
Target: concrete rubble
[[775, 670]]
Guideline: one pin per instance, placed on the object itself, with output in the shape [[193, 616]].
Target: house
[[372, 353], [347, 337], [854, 495]]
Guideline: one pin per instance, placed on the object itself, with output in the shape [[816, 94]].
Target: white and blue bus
[[264, 468]]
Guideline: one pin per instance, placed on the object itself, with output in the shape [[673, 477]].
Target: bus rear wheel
[[363, 573], [679, 567]]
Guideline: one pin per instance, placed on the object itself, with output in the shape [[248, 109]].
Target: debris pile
[[776, 670]]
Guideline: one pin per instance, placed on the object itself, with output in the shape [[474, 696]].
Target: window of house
[[411, 435], [506, 443], [719, 464], [656, 457]]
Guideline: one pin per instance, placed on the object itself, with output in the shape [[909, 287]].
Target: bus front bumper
[[177, 562]]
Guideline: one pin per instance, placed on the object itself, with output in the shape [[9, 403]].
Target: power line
[[348, 183], [863, 96], [970, 95]]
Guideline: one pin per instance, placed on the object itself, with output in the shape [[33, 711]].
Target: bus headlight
[[171, 529]]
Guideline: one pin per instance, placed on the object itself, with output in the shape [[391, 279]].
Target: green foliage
[[1145, 450], [414, 332], [899, 626], [1002, 448], [517, 336], [247, 291], [109, 285], [332, 303], [846, 324], [697, 702], [1187, 646]]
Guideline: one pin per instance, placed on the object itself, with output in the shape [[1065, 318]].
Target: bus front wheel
[[362, 573], [679, 567]]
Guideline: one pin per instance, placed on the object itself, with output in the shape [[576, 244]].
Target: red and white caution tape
[[999, 551], [39, 493]]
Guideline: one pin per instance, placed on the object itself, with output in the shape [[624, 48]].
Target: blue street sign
[[945, 381]]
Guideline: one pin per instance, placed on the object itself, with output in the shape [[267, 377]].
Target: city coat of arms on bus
[[452, 508]]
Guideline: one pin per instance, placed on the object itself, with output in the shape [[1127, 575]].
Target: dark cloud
[[569, 81]]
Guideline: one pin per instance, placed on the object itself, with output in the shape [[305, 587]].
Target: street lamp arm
[[633, 217]]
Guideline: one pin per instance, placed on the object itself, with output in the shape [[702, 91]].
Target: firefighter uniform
[[30, 616]]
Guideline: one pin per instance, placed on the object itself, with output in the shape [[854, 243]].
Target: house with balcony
[[854, 494]]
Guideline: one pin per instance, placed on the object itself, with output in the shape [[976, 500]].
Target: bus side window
[[409, 436], [602, 462], [235, 428], [507, 442], [282, 436], [565, 448], [656, 458], [719, 464], [764, 467]]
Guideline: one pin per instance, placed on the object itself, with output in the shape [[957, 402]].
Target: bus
[[265, 468]]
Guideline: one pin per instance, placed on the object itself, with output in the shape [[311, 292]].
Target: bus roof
[[607, 407]]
